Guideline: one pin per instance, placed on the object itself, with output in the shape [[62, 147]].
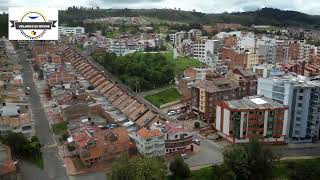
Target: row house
[[19, 124], [136, 111]]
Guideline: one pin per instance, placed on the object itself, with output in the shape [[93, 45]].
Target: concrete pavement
[[53, 165]]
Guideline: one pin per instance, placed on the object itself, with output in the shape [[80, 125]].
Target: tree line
[[241, 162], [140, 71]]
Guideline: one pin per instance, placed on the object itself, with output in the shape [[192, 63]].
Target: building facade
[[150, 142], [251, 117], [302, 96]]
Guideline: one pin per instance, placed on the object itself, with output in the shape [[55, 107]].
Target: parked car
[[28, 88], [171, 113], [184, 156], [196, 141]]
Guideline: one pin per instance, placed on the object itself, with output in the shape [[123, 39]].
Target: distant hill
[[73, 16], [265, 16]]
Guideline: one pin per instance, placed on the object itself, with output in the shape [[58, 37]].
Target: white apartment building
[[150, 143], [204, 49], [267, 49], [63, 30], [302, 96], [304, 51]]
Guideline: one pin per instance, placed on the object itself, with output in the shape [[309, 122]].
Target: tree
[[179, 168], [300, 170], [251, 161], [196, 124], [139, 168], [222, 172]]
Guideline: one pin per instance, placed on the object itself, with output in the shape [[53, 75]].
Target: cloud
[[208, 6]]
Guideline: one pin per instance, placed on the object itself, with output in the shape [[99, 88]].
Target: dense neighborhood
[[140, 95]]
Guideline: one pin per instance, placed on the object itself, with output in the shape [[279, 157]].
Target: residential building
[[266, 50], [252, 60], [238, 121], [315, 55], [282, 52], [150, 142], [235, 58], [245, 79], [204, 49], [206, 93], [7, 166], [303, 69], [304, 51], [302, 96], [95, 145], [63, 30], [267, 70], [177, 138], [21, 124]]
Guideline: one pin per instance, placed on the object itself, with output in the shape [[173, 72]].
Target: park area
[[163, 97], [182, 63]]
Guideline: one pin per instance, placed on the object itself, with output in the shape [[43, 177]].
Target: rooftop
[[145, 133], [254, 102], [219, 84]]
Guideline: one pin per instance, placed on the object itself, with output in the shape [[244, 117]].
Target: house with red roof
[[150, 142]]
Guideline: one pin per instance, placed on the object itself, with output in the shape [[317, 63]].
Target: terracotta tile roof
[[102, 85], [107, 88], [111, 91], [125, 103], [116, 95], [145, 133], [146, 118], [134, 115], [120, 99], [131, 107], [171, 128]]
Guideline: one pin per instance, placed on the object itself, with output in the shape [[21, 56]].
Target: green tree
[[139, 168], [251, 161], [222, 172], [179, 168], [300, 170]]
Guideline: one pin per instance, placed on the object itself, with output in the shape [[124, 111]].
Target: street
[[53, 165]]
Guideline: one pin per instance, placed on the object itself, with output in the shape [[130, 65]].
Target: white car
[[184, 156], [196, 141], [171, 113], [28, 88]]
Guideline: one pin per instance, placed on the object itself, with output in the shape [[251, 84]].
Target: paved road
[[53, 165], [210, 153]]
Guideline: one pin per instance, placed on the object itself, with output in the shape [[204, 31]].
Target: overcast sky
[[208, 6]]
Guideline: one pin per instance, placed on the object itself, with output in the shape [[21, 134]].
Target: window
[[299, 104], [300, 97], [300, 90]]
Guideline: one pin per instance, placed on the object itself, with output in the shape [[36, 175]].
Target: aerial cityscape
[[159, 90]]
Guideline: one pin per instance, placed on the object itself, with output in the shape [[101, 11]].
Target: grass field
[[163, 97], [281, 170], [60, 128], [182, 63]]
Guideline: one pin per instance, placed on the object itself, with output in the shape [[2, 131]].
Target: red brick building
[[60, 77], [238, 121]]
